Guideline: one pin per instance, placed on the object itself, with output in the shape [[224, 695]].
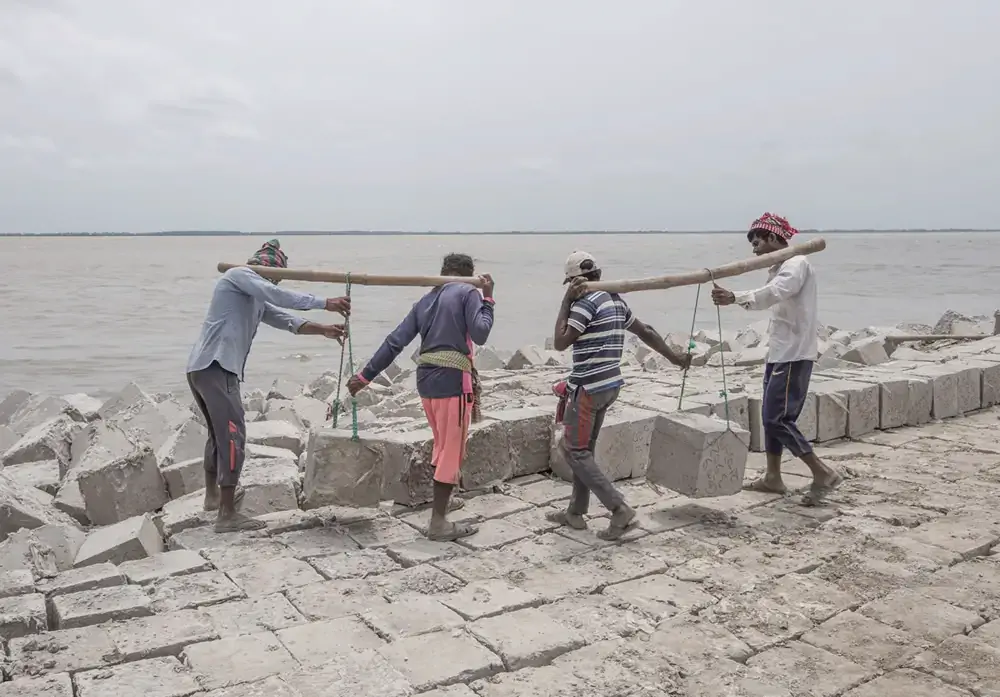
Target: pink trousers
[[449, 420]]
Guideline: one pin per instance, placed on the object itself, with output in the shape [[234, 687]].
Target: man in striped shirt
[[594, 324]]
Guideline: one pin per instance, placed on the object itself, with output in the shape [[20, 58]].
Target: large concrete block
[[968, 384], [98, 443], [529, 431], [42, 475], [123, 488], [25, 507], [755, 415], [867, 352], [342, 471], [129, 398], [38, 409], [9, 405], [85, 404], [7, 438], [862, 408], [21, 615], [277, 434], [698, 456], [808, 420], [185, 443], [271, 485], [944, 390], [831, 410], [47, 441], [185, 477], [409, 478], [921, 391], [135, 538], [45, 551], [85, 608]]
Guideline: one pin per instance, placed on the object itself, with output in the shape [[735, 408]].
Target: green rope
[[340, 375], [722, 353]]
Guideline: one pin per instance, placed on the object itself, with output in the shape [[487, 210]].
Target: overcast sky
[[492, 115]]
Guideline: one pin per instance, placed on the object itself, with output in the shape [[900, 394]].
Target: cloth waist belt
[[458, 361]]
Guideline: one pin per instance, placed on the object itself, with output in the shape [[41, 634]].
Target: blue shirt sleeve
[[259, 288], [580, 314], [398, 339], [279, 319], [478, 317]]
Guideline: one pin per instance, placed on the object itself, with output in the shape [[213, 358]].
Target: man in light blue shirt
[[241, 301]]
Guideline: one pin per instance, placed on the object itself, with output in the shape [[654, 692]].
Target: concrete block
[[85, 404], [123, 488], [347, 675], [26, 507], [98, 606], [409, 478], [921, 404], [698, 456], [309, 411], [273, 576], [16, 582], [283, 388], [86, 578], [185, 443], [623, 446], [862, 409], [62, 651], [158, 566], [46, 550], [831, 410], [487, 598], [42, 475], [411, 616], [894, 402], [277, 434], [21, 615], [969, 385], [156, 677], [239, 659], [135, 538], [808, 420], [69, 500], [317, 643], [271, 486], [867, 352], [417, 658], [360, 563], [528, 431], [532, 357], [526, 638], [192, 591], [183, 514], [37, 410], [7, 438], [97, 443], [755, 407], [161, 635], [944, 390], [153, 424], [185, 477], [332, 599], [58, 685], [10, 404], [269, 613], [49, 440], [342, 471], [129, 398]]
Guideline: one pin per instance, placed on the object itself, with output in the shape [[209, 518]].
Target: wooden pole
[[693, 278], [358, 279]]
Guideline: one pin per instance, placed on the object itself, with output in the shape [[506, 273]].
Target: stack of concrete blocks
[[698, 456]]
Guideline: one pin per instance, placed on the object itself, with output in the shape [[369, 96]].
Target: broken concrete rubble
[[135, 538], [25, 507]]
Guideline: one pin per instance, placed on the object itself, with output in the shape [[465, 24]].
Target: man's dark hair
[[458, 265]]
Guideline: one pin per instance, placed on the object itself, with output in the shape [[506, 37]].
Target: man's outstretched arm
[[398, 339], [785, 284], [653, 340]]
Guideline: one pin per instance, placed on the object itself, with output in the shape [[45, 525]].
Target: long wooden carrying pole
[[358, 279], [693, 278]]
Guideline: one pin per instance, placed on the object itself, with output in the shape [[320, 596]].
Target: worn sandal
[[453, 532]]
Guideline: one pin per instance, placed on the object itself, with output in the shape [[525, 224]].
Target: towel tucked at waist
[[458, 361]]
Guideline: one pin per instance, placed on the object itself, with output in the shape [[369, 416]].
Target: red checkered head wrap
[[269, 255], [769, 222]]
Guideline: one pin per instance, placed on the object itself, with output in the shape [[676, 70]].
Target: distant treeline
[[396, 233]]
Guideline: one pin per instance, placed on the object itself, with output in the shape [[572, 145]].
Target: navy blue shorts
[[785, 389]]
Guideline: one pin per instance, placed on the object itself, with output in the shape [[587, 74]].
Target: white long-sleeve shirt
[[791, 294]]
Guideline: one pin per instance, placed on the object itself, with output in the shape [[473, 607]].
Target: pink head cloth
[[773, 223]]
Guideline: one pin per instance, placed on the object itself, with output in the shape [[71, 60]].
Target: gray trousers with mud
[[217, 393], [582, 421]]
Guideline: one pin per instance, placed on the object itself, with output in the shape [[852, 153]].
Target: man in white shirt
[[790, 293]]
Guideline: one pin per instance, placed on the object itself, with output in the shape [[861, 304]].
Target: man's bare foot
[[622, 520], [821, 488], [238, 523], [212, 498], [572, 520], [767, 484]]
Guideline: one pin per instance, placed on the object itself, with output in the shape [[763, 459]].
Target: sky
[[143, 115]]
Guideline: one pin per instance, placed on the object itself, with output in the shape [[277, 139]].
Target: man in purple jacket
[[449, 320]]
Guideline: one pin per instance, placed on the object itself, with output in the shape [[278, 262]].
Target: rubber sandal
[[577, 522], [455, 531], [615, 532], [817, 494], [237, 500], [239, 523], [761, 487]]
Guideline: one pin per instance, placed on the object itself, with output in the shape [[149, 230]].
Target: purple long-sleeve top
[[446, 319]]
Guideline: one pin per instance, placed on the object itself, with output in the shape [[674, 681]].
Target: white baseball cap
[[579, 264]]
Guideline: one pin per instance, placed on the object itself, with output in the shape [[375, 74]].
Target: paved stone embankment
[[891, 588]]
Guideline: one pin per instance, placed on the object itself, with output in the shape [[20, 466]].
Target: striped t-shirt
[[602, 319]]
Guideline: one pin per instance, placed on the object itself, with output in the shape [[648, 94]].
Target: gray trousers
[[582, 421], [217, 393]]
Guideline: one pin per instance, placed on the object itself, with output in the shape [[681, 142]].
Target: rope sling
[[722, 353], [347, 346]]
